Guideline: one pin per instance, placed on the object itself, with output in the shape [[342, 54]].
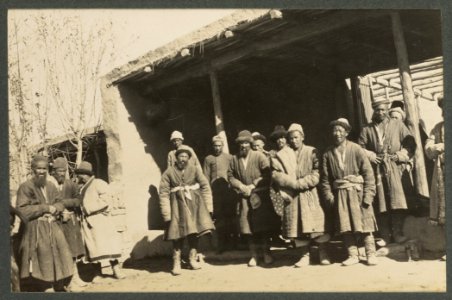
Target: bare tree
[[73, 55]]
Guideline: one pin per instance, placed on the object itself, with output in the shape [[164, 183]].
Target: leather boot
[[397, 220], [352, 249], [76, 283], [193, 259], [117, 272], [253, 251], [177, 269], [323, 255], [369, 246], [305, 258]]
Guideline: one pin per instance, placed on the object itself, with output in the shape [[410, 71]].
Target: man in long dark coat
[[45, 256], [224, 198], [249, 173], [389, 146], [186, 204], [303, 218], [70, 218], [348, 186]]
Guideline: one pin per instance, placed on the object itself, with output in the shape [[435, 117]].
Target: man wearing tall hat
[[45, 256], [389, 146], [224, 198], [186, 205], [348, 186], [249, 174], [102, 240], [303, 217], [435, 150], [70, 217], [177, 141]]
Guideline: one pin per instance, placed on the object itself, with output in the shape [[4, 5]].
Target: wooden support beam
[[295, 34], [219, 123], [412, 113]]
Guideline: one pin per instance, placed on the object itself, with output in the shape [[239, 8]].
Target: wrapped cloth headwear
[[176, 135], [343, 122], [376, 103], [217, 138], [295, 127], [60, 163], [399, 110], [38, 158], [85, 168]]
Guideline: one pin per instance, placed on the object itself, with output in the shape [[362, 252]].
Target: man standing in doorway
[[224, 198], [177, 140], [389, 146]]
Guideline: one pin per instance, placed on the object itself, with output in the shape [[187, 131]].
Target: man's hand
[[377, 160], [52, 209]]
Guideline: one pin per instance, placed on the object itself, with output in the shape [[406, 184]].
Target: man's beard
[[243, 152], [59, 179], [40, 181]]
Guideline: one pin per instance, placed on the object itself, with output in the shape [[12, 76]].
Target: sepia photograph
[[226, 150]]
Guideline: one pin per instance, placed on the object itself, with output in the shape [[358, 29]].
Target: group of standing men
[[294, 191], [61, 223]]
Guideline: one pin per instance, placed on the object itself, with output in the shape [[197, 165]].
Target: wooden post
[[412, 116], [219, 124]]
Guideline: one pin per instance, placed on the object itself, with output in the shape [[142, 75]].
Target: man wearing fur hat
[[45, 256], [389, 146], [103, 241], [70, 217], [303, 217], [224, 198], [249, 174], [177, 140], [348, 186], [435, 150], [186, 204]]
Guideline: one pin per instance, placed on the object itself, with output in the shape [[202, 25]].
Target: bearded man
[[70, 218], [177, 141], [389, 146], [45, 256], [186, 205], [249, 174]]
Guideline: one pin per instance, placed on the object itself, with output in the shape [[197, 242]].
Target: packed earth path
[[233, 275]]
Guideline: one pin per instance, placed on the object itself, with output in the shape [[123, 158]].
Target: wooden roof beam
[[398, 86], [297, 33]]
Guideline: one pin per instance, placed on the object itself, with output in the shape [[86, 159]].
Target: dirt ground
[[232, 275]]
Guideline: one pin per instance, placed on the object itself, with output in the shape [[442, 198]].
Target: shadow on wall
[[155, 219]]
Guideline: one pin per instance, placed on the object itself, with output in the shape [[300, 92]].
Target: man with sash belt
[[186, 206], [348, 186]]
